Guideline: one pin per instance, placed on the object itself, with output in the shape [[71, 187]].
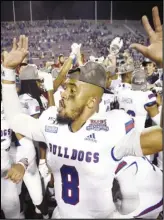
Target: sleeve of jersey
[[33, 107], [129, 143], [129, 191], [150, 99], [19, 122], [26, 150]]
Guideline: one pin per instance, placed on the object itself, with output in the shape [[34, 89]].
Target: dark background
[[41, 10]]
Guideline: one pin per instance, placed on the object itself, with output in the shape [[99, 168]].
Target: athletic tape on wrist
[[8, 74], [24, 162], [73, 57], [42, 161]]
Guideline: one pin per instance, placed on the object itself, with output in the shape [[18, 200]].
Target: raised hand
[[76, 48], [17, 54], [115, 46], [154, 51]]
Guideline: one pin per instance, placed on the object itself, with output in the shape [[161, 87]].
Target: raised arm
[[136, 143], [67, 65], [151, 140], [19, 122]]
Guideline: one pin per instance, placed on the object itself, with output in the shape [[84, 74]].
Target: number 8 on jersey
[[70, 184]]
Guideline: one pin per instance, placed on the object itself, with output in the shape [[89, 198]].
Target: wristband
[[42, 161], [8, 74], [73, 57], [24, 162]]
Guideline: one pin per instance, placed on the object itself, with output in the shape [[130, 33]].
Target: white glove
[[75, 49], [43, 168], [115, 46], [47, 80]]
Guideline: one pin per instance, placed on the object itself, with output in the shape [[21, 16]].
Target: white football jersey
[[115, 84], [134, 102], [29, 105], [6, 132], [44, 101], [105, 105], [135, 165], [83, 163], [122, 86]]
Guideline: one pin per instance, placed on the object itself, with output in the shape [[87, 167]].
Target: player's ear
[[91, 102]]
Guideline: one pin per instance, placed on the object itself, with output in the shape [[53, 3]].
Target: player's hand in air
[[75, 48], [115, 46], [154, 50], [17, 54], [16, 173]]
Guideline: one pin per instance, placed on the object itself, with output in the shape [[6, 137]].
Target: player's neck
[[79, 122]]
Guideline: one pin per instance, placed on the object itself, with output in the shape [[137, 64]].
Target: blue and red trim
[[120, 166], [134, 163], [113, 157], [129, 126], [151, 208]]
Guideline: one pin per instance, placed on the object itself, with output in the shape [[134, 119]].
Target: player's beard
[[65, 119]]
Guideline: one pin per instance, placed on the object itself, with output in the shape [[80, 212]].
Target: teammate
[[12, 172], [134, 98], [32, 105], [148, 179]]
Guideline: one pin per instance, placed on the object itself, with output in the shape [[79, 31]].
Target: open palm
[[154, 50], [17, 54]]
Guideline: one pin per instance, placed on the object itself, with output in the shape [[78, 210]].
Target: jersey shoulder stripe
[[120, 166], [129, 126]]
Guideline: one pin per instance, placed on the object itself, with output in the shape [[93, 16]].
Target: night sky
[[130, 10]]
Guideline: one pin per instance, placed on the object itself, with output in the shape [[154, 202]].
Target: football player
[[76, 168]]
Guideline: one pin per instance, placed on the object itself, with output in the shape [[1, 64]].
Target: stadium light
[[14, 11], [31, 12], [96, 12], [111, 12]]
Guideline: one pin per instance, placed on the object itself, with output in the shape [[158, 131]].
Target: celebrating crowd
[[82, 137]]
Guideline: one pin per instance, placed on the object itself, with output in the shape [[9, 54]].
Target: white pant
[[31, 179], [9, 194]]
